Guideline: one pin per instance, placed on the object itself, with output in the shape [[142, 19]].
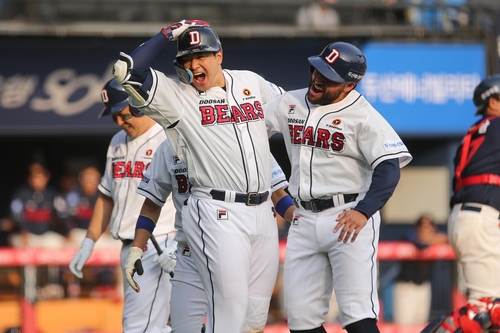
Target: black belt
[[249, 199], [127, 242], [318, 205]]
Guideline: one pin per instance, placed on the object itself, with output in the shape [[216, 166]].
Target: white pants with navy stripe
[[316, 262]]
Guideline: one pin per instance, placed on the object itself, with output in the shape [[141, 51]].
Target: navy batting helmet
[[197, 39], [115, 99], [194, 40], [488, 88], [340, 62]]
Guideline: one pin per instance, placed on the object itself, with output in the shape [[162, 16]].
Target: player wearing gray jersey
[[215, 123], [345, 161], [168, 175], [129, 155]]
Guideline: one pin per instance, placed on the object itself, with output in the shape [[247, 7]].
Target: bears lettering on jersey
[[129, 170], [324, 139], [220, 114]]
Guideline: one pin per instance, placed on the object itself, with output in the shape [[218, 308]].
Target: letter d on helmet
[[340, 62], [115, 99]]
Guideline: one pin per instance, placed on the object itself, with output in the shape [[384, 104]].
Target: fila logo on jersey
[[291, 109], [295, 220], [320, 138], [220, 113], [186, 251], [222, 214], [177, 160]]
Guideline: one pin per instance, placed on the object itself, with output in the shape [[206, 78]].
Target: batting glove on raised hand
[[132, 265], [81, 257], [167, 260], [173, 31]]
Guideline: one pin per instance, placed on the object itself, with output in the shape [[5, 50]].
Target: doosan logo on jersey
[[212, 101], [296, 121]]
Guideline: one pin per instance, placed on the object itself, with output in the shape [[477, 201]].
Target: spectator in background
[[319, 16], [80, 207], [36, 209], [412, 292]]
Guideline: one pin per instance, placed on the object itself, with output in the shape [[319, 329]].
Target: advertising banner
[[424, 89]]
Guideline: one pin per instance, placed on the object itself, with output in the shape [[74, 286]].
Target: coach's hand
[[173, 31], [132, 265], [81, 257], [351, 221], [167, 260]]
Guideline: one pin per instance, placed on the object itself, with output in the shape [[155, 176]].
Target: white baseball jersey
[[333, 150], [350, 131], [225, 127], [126, 162]]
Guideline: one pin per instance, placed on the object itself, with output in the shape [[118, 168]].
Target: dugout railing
[[21, 309]]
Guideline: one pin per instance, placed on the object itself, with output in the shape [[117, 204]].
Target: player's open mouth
[[199, 77], [316, 89]]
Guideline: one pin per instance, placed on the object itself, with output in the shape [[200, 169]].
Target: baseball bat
[[159, 250]]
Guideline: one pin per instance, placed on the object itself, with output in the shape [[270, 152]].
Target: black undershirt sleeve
[[385, 178]]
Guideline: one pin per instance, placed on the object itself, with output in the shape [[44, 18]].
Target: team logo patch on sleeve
[[145, 180], [222, 214]]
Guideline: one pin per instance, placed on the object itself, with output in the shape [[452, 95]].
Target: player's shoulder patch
[[390, 145]]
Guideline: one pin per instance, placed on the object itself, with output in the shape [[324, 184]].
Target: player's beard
[[327, 97]]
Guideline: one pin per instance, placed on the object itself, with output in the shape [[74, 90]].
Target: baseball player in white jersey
[[215, 123], [168, 175], [345, 160], [129, 155]]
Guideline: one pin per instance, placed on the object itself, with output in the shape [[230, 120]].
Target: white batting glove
[[81, 257], [167, 260], [173, 31], [132, 265]]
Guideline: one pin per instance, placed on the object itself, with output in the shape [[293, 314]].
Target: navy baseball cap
[[114, 98], [489, 87]]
